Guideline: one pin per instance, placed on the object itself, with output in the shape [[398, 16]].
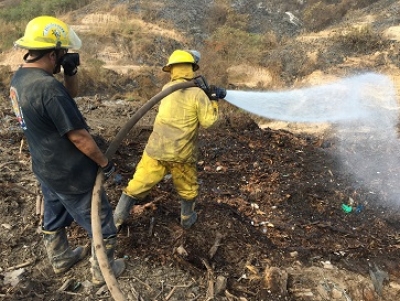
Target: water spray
[[362, 109], [347, 99]]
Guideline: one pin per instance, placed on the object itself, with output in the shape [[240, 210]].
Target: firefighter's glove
[[216, 93], [109, 169], [70, 63]]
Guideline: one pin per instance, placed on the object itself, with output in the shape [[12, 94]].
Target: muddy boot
[[188, 215], [123, 209], [61, 256], [117, 265]]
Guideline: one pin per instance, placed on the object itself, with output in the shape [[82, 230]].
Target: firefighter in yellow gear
[[172, 146]]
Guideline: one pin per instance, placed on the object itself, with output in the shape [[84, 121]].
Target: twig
[[246, 291], [66, 285], [195, 298], [23, 189], [158, 295], [215, 246], [38, 204], [162, 286], [41, 211], [20, 147], [137, 279], [8, 163], [19, 187], [210, 275], [21, 265], [175, 287], [70, 293], [134, 292], [151, 226]]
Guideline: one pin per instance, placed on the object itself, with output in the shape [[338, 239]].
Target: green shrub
[[14, 18], [28, 9]]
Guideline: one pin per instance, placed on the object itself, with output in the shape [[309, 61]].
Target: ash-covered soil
[[271, 224]]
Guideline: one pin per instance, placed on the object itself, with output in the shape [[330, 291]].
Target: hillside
[[248, 44], [271, 219]]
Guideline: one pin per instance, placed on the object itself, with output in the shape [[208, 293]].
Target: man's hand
[[109, 169], [70, 63], [216, 93]]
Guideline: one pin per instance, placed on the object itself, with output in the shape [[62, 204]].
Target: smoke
[[364, 111]]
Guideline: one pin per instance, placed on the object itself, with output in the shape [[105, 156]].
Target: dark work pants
[[60, 210]]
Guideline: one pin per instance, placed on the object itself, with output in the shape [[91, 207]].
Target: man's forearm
[[86, 144]]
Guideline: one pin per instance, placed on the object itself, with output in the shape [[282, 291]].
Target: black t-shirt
[[47, 113]]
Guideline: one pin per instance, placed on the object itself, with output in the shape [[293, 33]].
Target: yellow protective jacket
[[175, 130]]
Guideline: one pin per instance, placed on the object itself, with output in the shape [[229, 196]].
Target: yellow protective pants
[[149, 172]]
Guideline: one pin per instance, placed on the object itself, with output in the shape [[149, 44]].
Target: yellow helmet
[[47, 32], [179, 57]]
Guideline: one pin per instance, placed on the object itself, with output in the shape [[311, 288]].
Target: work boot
[[188, 215], [61, 256], [123, 209], [117, 265]]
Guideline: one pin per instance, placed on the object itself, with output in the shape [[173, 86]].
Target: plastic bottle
[[347, 208]]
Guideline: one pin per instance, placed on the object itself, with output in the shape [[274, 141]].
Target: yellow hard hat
[[47, 32], [179, 57]]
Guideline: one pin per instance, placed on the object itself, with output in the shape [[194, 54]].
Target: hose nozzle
[[213, 92]]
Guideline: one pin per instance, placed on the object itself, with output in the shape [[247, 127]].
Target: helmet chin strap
[[57, 67], [26, 60]]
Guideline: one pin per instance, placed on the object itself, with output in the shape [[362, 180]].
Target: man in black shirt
[[65, 157]]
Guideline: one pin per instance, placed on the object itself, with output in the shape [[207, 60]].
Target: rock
[[220, 285], [13, 277]]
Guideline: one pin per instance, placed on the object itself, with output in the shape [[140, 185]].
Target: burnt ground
[[271, 224]]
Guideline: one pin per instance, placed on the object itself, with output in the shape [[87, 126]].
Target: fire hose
[[99, 247]]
